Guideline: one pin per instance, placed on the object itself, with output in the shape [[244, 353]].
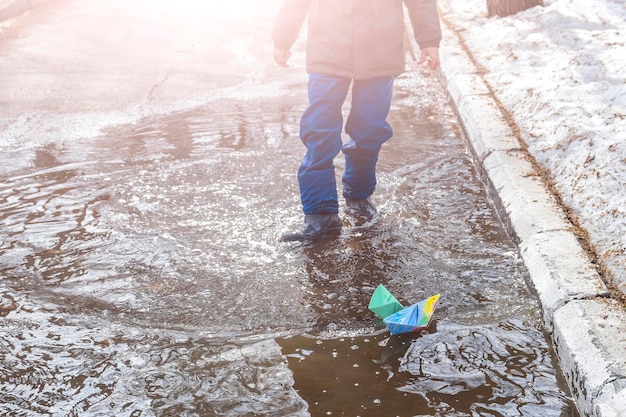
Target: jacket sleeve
[[289, 22], [425, 21]]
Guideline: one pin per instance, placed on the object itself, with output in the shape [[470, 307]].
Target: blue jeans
[[320, 130]]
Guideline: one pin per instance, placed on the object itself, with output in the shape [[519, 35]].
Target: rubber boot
[[314, 227], [361, 209]]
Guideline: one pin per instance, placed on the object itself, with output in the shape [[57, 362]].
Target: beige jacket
[[357, 39]]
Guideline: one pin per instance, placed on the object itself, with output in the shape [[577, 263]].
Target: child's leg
[[368, 129], [320, 131]]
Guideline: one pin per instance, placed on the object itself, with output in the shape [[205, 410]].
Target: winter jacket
[[357, 39]]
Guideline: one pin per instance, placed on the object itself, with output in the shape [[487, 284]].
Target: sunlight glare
[[230, 8]]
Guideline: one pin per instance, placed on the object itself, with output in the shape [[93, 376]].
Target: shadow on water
[[142, 276]]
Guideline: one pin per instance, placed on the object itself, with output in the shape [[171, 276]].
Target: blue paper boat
[[412, 318]]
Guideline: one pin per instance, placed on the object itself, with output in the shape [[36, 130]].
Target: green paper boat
[[384, 304]]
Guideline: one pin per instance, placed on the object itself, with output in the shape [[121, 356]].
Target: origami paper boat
[[384, 304], [412, 318]]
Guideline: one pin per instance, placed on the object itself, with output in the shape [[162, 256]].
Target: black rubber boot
[[361, 209], [314, 227]]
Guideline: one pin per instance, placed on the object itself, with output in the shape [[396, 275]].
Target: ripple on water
[[205, 379], [58, 364], [503, 369]]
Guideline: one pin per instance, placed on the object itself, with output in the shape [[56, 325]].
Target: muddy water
[[142, 275]]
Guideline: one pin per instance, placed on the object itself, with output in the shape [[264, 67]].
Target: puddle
[[142, 274], [146, 278]]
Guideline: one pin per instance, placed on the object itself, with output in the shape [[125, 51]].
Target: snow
[[560, 70]]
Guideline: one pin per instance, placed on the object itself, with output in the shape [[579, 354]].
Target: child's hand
[[430, 56], [281, 57]]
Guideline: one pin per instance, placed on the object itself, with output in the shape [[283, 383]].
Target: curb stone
[[588, 351], [523, 198], [587, 328], [561, 272]]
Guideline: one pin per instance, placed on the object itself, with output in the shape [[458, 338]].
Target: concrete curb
[[13, 8], [588, 329]]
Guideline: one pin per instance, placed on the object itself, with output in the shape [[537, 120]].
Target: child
[[358, 44]]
